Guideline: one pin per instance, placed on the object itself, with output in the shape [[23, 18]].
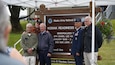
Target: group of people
[[37, 41], [41, 43], [82, 42]]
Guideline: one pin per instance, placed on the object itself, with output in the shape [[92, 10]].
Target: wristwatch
[[33, 49]]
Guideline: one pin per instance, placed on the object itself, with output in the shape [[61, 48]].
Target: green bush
[[105, 27]]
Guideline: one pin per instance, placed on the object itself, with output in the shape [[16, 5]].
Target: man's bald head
[[87, 21], [42, 27]]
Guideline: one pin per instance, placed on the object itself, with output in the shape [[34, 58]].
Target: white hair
[[29, 25], [89, 18], [4, 22], [4, 17], [43, 24]]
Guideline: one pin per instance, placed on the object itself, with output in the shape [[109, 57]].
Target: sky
[[23, 12]]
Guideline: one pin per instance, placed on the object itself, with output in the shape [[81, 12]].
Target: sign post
[[93, 30]]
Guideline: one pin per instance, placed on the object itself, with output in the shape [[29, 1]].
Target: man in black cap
[[76, 49]]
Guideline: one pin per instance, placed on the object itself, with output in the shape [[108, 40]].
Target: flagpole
[[93, 31]]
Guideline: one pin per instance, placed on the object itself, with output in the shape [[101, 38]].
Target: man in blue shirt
[[45, 46], [76, 50]]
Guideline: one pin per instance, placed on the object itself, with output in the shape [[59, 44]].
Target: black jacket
[[88, 39]]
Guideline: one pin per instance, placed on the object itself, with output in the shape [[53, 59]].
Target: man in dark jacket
[[88, 41], [45, 46], [76, 50]]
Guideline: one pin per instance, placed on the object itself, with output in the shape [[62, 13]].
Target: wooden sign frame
[[43, 12]]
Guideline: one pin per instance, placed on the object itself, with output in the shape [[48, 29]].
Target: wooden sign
[[62, 27], [60, 23]]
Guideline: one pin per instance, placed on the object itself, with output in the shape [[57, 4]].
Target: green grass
[[14, 37], [107, 51], [23, 24], [113, 24]]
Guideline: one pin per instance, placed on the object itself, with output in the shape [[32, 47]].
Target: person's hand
[[77, 54], [16, 55], [30, 50], [47, 31], [49, 54]]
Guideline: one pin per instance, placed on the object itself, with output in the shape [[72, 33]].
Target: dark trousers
[[78, 60], [44, 59], [37, 60]]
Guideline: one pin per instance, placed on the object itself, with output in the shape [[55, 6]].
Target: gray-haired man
[[5, 28], [45, 46], [88, 43], [29, 41]]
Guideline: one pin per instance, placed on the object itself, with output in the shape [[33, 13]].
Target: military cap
[[78, 20]]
